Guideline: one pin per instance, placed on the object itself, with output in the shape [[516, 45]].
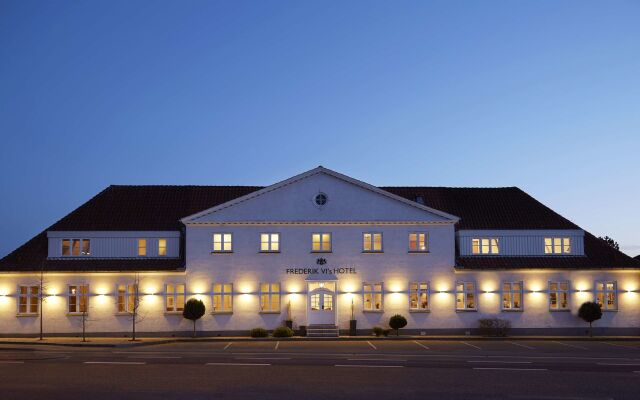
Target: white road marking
[[263, 358], [511, 369], [618, 364], [368, 366], [158, 357], [375, 359], [500, 362], [522, 345], [420, 344], [570, 345], [116, 362], [620, 345], [227, 346], [11, 362], [245, 364], [471, 345], [277, 344], [371, 344]]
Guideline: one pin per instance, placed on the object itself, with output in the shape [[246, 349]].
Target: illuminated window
[[559, 296], [557, 245], [270, 297], [512, 296], [175, 297], [29, 300], [222, 243], [418, 242], [222, 300], [142, 247], [78, 299], [419, 296], [485, 246], [321, 242], [372, 242], [76, 247], [372, 294], [269, 242], [607, 295], [162, 247], [466, 296], [128, 298], [321, 302]]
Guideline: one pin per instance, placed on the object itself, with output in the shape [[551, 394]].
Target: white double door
[[321, 307]]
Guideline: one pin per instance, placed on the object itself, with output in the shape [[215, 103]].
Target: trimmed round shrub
[[590, 312], [396, 322], [378, 331], [259, 332], [194, 309], [283, 331]]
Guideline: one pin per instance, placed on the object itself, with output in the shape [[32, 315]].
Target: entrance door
[[321, 307]]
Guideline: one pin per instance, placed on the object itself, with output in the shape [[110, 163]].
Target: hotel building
[[319, 249]]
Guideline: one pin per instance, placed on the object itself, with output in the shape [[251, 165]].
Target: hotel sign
[[324, 271]]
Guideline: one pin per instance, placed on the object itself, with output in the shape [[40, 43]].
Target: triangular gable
[[348, 200]]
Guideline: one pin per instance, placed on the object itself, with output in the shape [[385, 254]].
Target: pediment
[[300, 199]]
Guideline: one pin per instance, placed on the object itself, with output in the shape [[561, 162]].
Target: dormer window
[[76, 247], [557, 245], [485, 246]]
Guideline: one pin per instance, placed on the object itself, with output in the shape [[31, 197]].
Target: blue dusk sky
[[544, 95]]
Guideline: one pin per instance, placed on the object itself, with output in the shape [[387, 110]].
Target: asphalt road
[[322, 370]]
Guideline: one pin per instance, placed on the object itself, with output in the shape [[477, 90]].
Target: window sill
[[418, 252], [270, 312], [512, 310], [77, 314], [21, 315], [373, 311], [221, 312], [372, 252], [269, 252], [320, 251], [467, 310], [419, 311], [560, 310], [222, 252]]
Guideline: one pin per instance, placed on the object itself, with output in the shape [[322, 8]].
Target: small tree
[[610, 242], [194, 310], [589, 312], [396, 322]]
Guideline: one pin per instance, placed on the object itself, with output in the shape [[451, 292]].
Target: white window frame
[[322, 236], [128, 296], [558, 292], [419, 291], [485, 246], [162, 247], [425, 241], [142, 247], [604, 305], [511, 292], [270, 242], [223, 293], [371, 242], [369, 290], [465, 295], [171, 292], [30, 300], [80, 242], [78, 296], [223, 242], [558, 245], [267, 308]]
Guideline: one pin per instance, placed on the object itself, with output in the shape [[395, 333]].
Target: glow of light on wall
[[294, 288], [395, 298], [199, 289], [582, 286], [102, 299], [442, 287], [150, 290], [396, 287]]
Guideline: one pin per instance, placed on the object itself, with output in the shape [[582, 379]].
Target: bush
[[259, 332], [378, 331], [283, 331], [385, 332], [396, 322], [494, 326], [589, 312]]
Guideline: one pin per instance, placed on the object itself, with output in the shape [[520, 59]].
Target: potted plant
[[289, 321], [589, 312], [352, 322], [396, 322], [194, 310]]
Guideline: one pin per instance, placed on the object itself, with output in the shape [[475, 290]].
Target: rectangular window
[[557, 245], [373, 296], [485, 246], [321, 242], [607, 295], [419, 296], [559, 296], [466, 296], [372, 242], [270, 297], [222, 300], [29, 300], [512, 296], [418, 242], [76, 247], [175, 297], [162, 247], [78, 299], [142, 247], [269, 242], [222, 243], [128, 298]]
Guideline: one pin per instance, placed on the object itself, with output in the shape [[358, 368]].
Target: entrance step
[[323, 330]]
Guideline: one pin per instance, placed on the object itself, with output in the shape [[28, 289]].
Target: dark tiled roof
[[161, 208]]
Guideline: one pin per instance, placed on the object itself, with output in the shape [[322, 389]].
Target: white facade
[[344, 274]]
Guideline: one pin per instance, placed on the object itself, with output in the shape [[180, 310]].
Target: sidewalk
[[147, 341]]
